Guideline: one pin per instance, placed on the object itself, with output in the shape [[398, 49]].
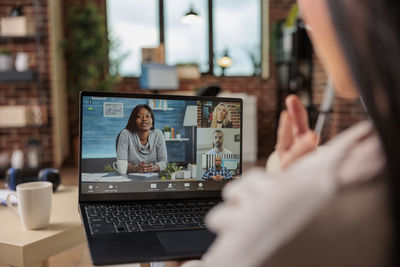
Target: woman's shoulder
[[125, 133], [158, 133], [157, 136]]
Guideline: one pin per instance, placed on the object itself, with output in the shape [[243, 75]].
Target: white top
[[262, 211], [215, 151]]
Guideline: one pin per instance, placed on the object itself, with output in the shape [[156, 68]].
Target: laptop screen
[[158, 143]]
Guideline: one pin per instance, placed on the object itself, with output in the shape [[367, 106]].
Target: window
[[134, 24], [186, 43], [236, 29]]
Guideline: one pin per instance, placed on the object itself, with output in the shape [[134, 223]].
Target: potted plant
[[108, 168], [178, 135], [170, 171], [86, 53], [277, 32], [167, 132]]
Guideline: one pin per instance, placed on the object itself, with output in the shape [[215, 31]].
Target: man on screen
[[217, 172], [218, 141]]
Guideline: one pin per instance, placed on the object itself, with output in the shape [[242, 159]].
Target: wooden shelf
[[163, 109], [17, 76], [177, 140], [31, 37], [159, 104]]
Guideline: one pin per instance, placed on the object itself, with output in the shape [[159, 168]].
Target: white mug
[[22, 61], [194, 171], [121, 166], [34, 204]]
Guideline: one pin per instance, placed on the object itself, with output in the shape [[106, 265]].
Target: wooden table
[[20, 247]]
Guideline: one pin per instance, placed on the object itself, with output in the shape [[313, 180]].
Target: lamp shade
[[190, 118], [191, 17], [225, 61]]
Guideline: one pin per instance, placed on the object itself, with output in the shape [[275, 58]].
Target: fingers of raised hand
[[298, 114], [301, 146], [285, 132]]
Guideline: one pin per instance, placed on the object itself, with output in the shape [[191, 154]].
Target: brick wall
[[345, 112], [235, 115], [28, 93]]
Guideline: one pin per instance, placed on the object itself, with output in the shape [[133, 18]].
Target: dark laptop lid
[[189, 133]]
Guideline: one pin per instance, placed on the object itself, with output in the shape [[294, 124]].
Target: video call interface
[[158, 145]]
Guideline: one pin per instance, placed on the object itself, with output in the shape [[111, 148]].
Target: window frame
[[264, 4]]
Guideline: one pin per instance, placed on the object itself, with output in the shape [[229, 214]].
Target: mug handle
[[9, 203], [115, 168]]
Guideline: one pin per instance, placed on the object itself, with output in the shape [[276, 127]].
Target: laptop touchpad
[[186, 241]]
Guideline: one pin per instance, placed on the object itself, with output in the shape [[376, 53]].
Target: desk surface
[[22, 247]]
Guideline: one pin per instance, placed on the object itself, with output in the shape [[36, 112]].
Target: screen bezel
[[151, 195]]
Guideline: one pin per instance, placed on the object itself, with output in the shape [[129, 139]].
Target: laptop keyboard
[[148, 216]]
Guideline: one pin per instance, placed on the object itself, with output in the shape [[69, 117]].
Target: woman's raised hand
[[295, 138]]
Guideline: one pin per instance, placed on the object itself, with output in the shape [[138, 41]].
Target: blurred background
[[51, 50]]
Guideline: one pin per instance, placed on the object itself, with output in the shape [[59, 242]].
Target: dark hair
[[131, 125], [369, 32], [218, 131]]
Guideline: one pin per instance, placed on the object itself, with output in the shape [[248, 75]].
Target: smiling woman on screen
[[142, 145]]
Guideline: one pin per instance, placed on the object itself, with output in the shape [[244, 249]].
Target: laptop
[[151, 167]]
